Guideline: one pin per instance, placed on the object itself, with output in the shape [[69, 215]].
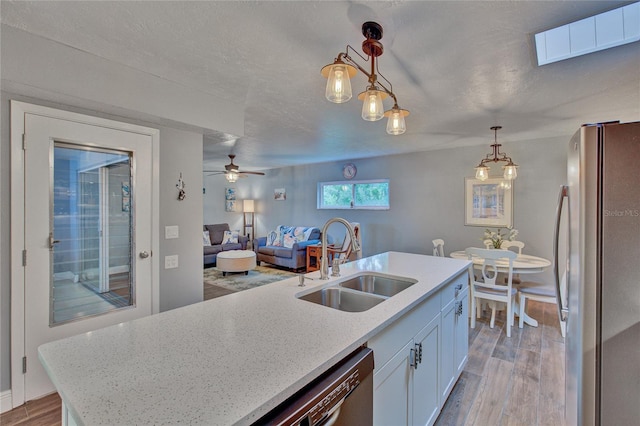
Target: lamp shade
[[248, 206], [372, 109], [482, 173], [510, 171], [396, 124], [338, 76]]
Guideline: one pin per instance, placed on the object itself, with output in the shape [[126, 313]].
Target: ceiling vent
[[606, 30]]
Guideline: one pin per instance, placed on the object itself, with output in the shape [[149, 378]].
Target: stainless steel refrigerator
[[601, 302]]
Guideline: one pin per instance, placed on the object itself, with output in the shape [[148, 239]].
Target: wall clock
[[349, 171]]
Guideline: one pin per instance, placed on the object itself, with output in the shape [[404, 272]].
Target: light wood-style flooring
[[511, 381], [507, 381]]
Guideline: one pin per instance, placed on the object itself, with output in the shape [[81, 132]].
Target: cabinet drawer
[[386, 343], [448, 292]]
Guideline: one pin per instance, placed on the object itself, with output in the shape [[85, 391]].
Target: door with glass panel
[[87, 221]]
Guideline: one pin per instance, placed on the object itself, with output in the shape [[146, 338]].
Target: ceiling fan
[[231, 171]]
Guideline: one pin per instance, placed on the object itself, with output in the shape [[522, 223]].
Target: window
[[364, 195]]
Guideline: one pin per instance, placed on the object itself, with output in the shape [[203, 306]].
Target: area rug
[[257, 277]]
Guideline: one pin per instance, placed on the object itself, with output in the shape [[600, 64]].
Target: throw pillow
[[272, 236], [230, 237], [206, 241]]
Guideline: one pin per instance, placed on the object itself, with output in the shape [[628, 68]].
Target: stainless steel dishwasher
[[343, 395]]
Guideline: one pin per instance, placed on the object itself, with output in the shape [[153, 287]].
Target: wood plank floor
[[507, 381], [511, 381]]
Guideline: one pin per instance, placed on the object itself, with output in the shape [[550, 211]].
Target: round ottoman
[[236, 261]]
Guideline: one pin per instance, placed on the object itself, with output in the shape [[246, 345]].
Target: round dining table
[[523, 264]]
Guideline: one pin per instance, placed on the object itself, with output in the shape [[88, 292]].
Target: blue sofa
[[216, 234], [276, 253]]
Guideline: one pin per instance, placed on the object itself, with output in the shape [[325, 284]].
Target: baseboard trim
[[5, 401]]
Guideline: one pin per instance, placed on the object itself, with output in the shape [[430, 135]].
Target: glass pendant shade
[[231, 177], [482, 173], [372, 109], [395, 124], [338, 76], [510, 171], [338, 84]]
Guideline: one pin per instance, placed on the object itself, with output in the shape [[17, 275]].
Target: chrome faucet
[[324, 263]]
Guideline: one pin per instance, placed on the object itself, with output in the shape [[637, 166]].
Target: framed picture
[[488, 203], [230, 199], [279, 194]]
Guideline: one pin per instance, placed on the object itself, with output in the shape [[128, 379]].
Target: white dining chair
[[507, 245], [529, 290], [438, 247], [487, 289]]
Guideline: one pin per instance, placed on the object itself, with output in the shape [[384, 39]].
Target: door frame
[[18, 111]]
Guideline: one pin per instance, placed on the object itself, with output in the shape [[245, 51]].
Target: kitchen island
[[232, 359]]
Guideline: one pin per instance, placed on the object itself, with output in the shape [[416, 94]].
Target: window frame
[[352, 184]]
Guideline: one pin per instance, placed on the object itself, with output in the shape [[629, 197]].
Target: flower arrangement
[[498, 236]]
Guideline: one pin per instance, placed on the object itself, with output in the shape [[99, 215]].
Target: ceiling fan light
[[338, 75], [372, 109], [231, 177], [396, 124], [482, 172]]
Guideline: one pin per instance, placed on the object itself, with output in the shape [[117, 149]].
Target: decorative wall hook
[[181, 185]]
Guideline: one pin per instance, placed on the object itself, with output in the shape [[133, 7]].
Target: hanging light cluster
[[510, 169], [340, 72]]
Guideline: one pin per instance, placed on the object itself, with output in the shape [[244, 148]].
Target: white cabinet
[[419, 358], [454, 345], [406, 387], [426, 405], [392, 386]]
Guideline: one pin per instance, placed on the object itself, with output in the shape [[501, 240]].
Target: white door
[[87, 235]]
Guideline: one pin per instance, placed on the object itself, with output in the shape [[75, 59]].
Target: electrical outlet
[[171, 262]]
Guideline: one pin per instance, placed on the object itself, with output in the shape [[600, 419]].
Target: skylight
[[604, 31]]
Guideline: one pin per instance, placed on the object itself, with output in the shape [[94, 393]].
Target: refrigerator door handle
[[563, 311]]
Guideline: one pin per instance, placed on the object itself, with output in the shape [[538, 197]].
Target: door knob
[[144, 254]]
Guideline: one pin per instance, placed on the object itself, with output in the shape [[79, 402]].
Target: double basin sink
[[359, 293]]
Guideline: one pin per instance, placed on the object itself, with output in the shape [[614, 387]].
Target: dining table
[[522, 264]]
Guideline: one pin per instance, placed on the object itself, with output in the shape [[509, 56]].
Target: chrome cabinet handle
[[413, 362], [458, 288], [144, 254], [419, 350]]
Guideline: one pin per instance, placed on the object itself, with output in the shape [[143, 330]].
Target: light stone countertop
[[228, 360]]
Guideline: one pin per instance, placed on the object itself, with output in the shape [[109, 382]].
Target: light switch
[[171, 262], [171, 232]]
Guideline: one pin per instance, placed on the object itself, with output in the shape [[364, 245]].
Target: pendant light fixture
[[344, 67], [510, 169]]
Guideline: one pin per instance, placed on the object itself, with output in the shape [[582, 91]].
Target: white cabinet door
[[447, 348], [462, 331], [392, 389], [425, 377]]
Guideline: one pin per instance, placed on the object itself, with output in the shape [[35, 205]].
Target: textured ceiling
[[459, 67]]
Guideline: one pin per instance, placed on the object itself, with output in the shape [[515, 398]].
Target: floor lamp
[[248, 209]]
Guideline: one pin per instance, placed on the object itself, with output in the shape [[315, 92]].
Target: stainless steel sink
[[378, 284], [342, 299]]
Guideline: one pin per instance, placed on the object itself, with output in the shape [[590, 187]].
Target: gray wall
[[427, 198]]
